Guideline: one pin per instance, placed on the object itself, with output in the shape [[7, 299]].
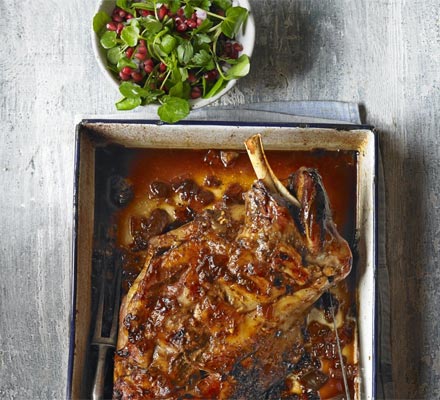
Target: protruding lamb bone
[[254, 147]]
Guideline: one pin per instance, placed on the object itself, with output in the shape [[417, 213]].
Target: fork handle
[[98, 383]]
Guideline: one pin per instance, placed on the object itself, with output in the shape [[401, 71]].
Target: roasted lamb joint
[[217, 310]]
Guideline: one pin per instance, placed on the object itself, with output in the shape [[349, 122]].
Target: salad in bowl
[[176, 54]]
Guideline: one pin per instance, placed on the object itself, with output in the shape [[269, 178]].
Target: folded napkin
[[283, 112]]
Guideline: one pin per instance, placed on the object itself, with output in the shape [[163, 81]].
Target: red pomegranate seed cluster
[[146, 64], [119, 16], [232, 50], [182, 23]]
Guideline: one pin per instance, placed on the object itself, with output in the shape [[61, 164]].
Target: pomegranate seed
[[191, 24], [211, 75], [163, 10], [141, 56], [162, 67], [191, 77], [122, 13], [142, 49], [142, 42], [194, 17], [180, 12], [111, 26], [182, 27], [178, 20], [126, 70], [237, 47], [119, 28], [196, 92], [124, 77], [129, 52], [199, 21], [148, 69], [137, 76], [148, 66], [145, 13], [117, 18], [128, 17]]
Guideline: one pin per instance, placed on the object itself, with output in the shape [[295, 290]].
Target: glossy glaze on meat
[[216, 312]]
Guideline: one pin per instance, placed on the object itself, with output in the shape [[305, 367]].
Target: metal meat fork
[[105, 342]]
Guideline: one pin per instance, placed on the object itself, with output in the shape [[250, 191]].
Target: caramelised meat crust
[[216, 311]]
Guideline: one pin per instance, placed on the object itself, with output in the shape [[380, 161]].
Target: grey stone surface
[[384, 55]]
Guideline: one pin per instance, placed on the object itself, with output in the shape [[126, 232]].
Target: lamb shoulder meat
[[216, 311]]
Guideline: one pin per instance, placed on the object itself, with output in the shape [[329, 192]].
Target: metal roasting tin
[[92, 134]]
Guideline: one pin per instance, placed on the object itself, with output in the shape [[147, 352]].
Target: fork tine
[[100, 312], [117, 296]]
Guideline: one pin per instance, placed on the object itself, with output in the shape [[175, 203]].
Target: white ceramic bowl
[[246, 37]]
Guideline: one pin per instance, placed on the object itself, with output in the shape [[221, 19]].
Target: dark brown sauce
[[337, 168], [205, 169]]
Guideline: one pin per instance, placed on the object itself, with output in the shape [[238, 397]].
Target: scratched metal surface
[[383, 54]]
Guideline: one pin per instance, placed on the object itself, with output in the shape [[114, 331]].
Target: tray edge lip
[[375, 249], [74, 258], [343, 126]]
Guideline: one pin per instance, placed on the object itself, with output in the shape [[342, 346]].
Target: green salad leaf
[[173, 109], [180, 89], [100, 20], [132, 91], [202, 38], [152, 96], [130, 35], [223, 4], [203, 59], [151, 24], [204, 4], [173, 5], [108, 40], [124, 4], [114, 55], [185, 52], [168, 44], [239, 69], [128, 103], [235, 17], [125, 62], [146, 5], [219, 85]]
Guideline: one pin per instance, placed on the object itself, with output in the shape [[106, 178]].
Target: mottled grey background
[[383, 54]]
